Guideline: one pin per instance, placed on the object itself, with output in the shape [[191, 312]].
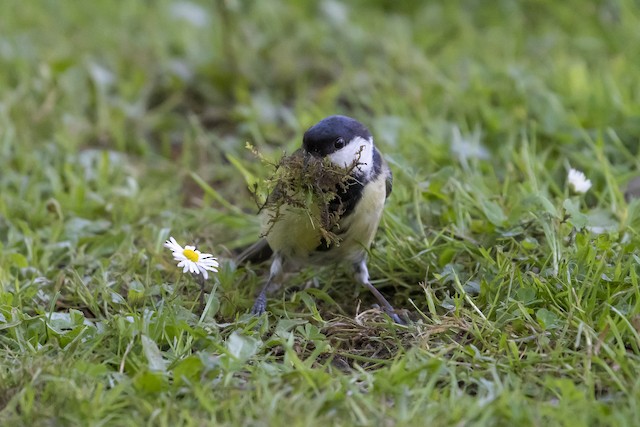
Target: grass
[[122, 123]]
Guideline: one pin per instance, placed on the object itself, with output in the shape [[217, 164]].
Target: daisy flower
[[578, 182], [191, 259]]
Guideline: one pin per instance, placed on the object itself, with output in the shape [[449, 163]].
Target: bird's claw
[[259, 306], [397, 319]]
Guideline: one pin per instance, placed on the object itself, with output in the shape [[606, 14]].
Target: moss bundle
[[314, 185]]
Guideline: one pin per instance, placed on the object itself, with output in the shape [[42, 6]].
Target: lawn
[[125, 123]]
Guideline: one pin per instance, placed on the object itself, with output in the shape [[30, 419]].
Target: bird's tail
[[258, 252]]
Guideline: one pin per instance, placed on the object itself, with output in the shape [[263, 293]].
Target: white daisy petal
[[578, 181], [173, 245], [210, 264]]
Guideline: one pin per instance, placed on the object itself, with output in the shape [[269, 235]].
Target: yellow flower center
[[191, 255]]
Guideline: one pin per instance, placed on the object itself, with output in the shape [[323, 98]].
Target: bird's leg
[[275, 275], [361, 273]]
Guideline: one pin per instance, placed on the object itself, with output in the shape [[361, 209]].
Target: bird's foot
[[390, 311], [260, 305], [396, 318]]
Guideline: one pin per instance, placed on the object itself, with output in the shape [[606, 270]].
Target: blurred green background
[[122, 123], [190, 83]]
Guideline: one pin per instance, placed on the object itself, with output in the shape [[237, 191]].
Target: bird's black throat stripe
[[349, 197]]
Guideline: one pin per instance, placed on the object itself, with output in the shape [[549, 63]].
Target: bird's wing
[[389, 182]]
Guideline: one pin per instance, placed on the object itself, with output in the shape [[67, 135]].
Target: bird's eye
[[339, 143]]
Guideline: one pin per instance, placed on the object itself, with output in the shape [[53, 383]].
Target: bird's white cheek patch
[[357, 147]]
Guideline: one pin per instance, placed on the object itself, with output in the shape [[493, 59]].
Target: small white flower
[[190, 12], [578, 182], [191, 259]]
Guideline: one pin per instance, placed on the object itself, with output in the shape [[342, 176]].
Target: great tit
[[295, 240]]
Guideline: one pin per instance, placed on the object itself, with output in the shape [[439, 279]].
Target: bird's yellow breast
[[362, 224]]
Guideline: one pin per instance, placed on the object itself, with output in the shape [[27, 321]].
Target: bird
[[293, 237]]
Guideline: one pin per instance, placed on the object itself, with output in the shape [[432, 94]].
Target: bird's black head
[[333, 134]]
